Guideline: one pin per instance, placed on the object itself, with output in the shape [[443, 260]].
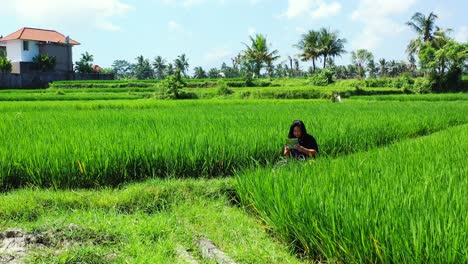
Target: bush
[[5, 65], [224, 89], [44, 62], [172, 84], [323, 78], [422, 85]]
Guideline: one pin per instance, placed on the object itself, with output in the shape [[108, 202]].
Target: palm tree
[[199, 73], [181, 64], [427, 32], [330, 45], [361, 58], [383, 68], [170, 69], [309, 45], [423, 26], [159, 66], [258, 54]]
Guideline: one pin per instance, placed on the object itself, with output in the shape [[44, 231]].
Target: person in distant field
[[307, 146]]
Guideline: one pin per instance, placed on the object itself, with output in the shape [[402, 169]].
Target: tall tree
[[258, 53], [423, 26], [361, 58], [330, 45], [85, 64], [309, 46], [170, 69], [213, 73], [143, 68], [383, 68], [159, 67], [199, 73], [123, 69], [181, 64]]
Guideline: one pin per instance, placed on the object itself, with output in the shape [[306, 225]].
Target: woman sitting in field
[[306, 144]]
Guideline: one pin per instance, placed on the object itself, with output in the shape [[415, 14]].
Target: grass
[[388, 186], [140, 223], [401, 204], [416, 97], [70, 145]]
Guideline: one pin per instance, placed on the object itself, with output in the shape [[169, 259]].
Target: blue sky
[[212, 31]]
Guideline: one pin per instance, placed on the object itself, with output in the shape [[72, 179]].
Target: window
[[26, 45]]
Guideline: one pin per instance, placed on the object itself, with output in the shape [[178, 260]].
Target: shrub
[[223, 89], [5, 65], [422, 85], [44, 62], [172, 84], [323, 78]]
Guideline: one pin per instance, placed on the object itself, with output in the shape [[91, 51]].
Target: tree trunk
[[324, 61], [313, 64]]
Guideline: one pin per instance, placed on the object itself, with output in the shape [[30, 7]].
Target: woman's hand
[[287, 149]]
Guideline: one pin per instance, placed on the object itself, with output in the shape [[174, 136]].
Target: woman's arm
[[310, 152]]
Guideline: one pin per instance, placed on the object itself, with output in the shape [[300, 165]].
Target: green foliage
[[5, 65], [224, 90], [45, 62], [361, 58], [143, 69], [323, 78], [422, 85], [173, 84], [258, 55], [443, 64], [85, 64], [185, 138], [390, 205]]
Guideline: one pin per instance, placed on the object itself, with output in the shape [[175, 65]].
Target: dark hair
[[297, 123]]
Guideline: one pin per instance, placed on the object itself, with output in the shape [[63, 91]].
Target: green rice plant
[[402, 204], [91, 144]]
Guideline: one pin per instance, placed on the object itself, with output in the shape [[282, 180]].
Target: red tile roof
[[36, 34]]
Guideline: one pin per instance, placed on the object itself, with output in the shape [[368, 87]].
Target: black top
[[307, 141]]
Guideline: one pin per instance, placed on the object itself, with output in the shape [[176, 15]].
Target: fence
[[42, 80]]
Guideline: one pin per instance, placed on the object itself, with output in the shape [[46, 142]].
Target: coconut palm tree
[[330, 45], [258, 53], [423, 26], [309, 46], [181, 64], [383, 68], [199, 73], [159, 66]]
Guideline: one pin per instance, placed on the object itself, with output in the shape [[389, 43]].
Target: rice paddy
[[389, 185]]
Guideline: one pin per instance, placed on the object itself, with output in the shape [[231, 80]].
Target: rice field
[[79, 144], [389, 185], [401, 204]]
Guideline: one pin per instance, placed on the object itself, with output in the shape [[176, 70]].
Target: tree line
[[432, 54]]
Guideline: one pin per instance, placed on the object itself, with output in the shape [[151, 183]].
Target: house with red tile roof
[[25, 44]]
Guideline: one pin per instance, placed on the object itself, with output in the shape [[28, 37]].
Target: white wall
[[15, 51], [27, 56]]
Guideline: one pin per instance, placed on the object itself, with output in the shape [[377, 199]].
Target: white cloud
[[217, 55], [326, 10], [462, 34], [191, 3], [376, 16], [67, 14], [312, 8], [174, 26]]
